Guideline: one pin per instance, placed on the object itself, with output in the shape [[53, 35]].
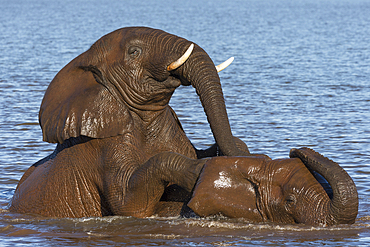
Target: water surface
[[300, 78]]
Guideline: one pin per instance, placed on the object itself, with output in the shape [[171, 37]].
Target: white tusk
[[222, 66], [181, 60]]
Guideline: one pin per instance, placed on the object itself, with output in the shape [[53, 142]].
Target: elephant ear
[[78, 102]]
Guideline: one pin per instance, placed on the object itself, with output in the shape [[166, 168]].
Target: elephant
[[307, 188], [121, 149], [108, 113]]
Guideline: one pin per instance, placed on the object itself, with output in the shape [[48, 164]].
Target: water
[[300, 78]]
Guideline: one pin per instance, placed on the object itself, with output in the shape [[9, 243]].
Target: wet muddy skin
[[300, 78]]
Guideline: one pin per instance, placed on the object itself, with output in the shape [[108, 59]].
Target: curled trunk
[[201, 73], [343, 206]]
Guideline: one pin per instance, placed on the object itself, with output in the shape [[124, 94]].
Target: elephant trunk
[[343, 206], [201, 73]]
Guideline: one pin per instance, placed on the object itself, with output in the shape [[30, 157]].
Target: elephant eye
[[134, 51], [290, 200]]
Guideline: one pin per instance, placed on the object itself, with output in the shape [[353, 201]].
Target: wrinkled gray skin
[[119, 142]]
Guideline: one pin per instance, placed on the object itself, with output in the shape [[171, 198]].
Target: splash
[[240, 224]]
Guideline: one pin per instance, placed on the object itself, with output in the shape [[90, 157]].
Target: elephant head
[[281, 191], [134, 68]]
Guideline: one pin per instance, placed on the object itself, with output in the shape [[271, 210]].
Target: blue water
[[300, 77]]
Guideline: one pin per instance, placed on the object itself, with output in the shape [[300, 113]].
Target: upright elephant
[[108, 112]]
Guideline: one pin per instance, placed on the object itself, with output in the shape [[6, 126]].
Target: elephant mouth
[[172, 82]]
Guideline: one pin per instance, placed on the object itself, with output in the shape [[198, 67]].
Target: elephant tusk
[[181, 60], [223, 66]]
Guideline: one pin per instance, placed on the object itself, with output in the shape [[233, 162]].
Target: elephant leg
[[148, 182]]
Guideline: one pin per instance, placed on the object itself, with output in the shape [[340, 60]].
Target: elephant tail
[[343, 206]]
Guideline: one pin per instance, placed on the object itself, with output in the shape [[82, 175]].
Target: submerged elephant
[[281, 191], [108, 112]]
